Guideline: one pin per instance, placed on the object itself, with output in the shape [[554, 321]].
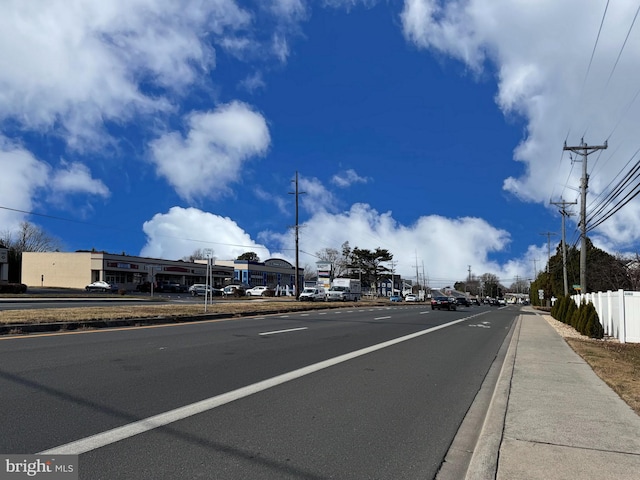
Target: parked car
[[410, 297], [101, 286], [234, 291], [395, 298], [443, 303], [259, 291], [143, 287], [200, 289], [171, 286]]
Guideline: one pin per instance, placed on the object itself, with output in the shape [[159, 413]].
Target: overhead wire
[[174, 237], [607, 189], [623, 45], [584, 83], [603, 207]]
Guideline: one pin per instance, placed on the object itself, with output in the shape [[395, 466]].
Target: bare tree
[[339, 260], [310, 273], [196, 255], [28, 238]]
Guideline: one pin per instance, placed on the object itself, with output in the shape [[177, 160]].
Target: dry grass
[[617, 364], [57, 315]]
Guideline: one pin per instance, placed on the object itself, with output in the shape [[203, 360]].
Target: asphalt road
[[390, 412]]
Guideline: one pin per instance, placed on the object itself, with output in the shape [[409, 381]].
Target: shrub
[[561, 311], [581, 321], [568, 314], [593, 327]]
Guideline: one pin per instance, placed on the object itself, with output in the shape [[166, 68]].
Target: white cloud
[[214, 151], [347, 178], [22, 175], [446, 247], [76, 178], [253, 82], [314, 196], [289, 10], [181, 231], [25, 179], [68, 67], [541, 67]]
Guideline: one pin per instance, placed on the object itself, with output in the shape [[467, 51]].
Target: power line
[[111, 227], [623, 45], [594, 48]]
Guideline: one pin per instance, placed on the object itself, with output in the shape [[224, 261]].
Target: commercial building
[[274, 273], [78, 269]]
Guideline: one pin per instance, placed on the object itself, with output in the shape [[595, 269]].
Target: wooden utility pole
[[548, 235], [584, 151], [564, 214], [296, 228]]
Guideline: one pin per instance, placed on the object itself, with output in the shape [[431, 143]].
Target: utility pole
[[297, 193], [564, 214], [548, 235], [584, 151]]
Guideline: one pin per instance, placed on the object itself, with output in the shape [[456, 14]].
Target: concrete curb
[[484, 461], [467, 443]]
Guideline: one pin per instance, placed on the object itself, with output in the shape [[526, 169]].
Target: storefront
[[272, 273], [78, 269]]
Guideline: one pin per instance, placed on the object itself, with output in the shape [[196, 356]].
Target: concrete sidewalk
[[551, 417]]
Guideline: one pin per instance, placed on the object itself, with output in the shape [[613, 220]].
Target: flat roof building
[[273, 273], [78, 269]]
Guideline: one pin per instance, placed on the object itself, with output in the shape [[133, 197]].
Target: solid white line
[[126, 431], [283, 331]]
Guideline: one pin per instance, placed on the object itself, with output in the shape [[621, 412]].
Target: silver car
[[199, 289]]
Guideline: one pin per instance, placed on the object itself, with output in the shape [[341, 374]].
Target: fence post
[[612, 332], [622, 334]]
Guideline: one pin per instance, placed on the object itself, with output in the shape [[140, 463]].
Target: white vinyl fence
[[619, 313]]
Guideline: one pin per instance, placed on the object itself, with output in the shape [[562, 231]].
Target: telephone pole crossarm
[[564, 214], [584, 151]]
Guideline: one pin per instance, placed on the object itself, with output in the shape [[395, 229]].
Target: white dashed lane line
[[275, 332]]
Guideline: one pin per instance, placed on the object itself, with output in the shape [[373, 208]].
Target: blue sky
[[432, 129]]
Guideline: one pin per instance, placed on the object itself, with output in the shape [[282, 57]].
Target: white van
[[313, 294]]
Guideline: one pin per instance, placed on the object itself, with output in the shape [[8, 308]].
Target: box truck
[[344, 290]]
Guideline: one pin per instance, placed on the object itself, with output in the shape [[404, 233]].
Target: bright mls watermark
[[56, 467]]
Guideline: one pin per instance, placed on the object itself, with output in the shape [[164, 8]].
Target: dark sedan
[[463, 301], [443, 303]]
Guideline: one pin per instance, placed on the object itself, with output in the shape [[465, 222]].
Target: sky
[[432, 129]]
